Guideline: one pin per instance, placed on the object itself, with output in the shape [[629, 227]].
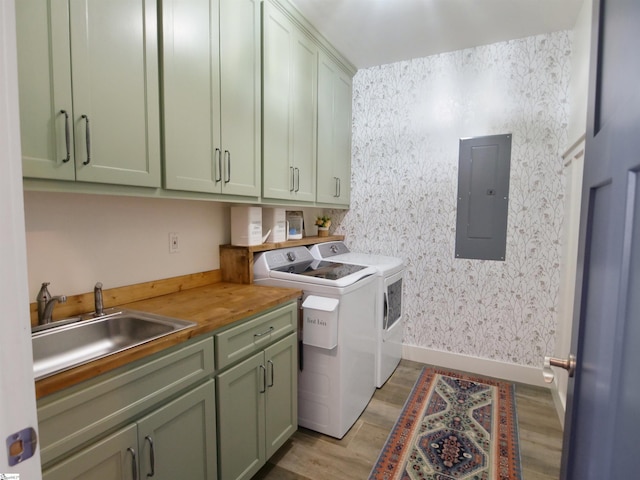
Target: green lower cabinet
[[175, 441], [257, 408], [110, 458], [241, 419], [281, 397], [179, 439]]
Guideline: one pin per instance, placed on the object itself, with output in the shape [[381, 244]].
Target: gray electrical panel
[[483, 197]]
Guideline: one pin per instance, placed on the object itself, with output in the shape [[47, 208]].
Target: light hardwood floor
[[311, 456]]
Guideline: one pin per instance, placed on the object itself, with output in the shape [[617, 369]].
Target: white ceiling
[[376, 32]]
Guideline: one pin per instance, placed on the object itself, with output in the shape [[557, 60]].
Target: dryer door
[[392, 306]]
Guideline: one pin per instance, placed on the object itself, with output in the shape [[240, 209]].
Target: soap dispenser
[[43, 297]]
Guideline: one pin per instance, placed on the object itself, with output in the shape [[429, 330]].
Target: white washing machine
[[336, 378], [389, 324]]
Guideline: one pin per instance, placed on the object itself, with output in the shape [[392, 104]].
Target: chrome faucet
[[46, 302], [48, 308], [43, 297], [97, 298]]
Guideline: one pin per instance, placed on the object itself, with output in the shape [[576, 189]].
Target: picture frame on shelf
[[295, 224]]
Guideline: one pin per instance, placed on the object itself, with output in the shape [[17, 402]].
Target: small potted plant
[[323, 224]]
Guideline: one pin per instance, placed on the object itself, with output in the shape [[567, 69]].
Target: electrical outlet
[[174, 242]]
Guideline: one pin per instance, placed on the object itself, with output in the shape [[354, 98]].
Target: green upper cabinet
[[211, 93], [44, 72], [89, 97], [334, 133], [290, 62]]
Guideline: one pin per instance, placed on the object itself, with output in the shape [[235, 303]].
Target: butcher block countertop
[[212, 306]]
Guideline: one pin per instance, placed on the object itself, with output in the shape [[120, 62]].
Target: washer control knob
[[291, 256], [334, 249]]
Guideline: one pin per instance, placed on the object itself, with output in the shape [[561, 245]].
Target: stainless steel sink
[[66, 344]]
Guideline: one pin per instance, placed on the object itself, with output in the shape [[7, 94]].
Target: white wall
[[573, 177], [579, 83], [408, 119], [75, 240]]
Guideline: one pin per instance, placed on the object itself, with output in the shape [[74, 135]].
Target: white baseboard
[[482, 366], [559, 402]]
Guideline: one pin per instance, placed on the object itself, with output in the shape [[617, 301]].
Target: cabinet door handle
[[67, 136], [266, 332], [227, 155], [292, 178], [152, 456], [88, 139], [336, 180], [264, 379], [218, 160], [270, 363], [134, 463], [297, 170]]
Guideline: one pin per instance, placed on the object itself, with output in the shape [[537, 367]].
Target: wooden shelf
[[236, 262]]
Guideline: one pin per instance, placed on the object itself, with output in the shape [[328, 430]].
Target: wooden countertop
[[211, 307]]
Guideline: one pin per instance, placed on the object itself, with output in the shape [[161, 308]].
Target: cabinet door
[[304, 117], [115, 91], [241, 414], [191, 94], [178, 439], [282, 392], [277, 61], [289, 109], [343, 127], [44, 73], [113, 458], [334, 133], [240, 101]]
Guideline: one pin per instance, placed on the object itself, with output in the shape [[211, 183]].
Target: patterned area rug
[[453, 427]]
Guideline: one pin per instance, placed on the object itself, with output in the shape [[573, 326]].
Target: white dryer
[[389, 323], [337, 375]]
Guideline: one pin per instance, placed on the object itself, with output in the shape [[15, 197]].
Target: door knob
[[569, 365]]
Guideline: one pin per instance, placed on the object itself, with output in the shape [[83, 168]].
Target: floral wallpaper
[[408, 118]]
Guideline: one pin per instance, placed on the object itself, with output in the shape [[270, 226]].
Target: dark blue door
[[603, 402]]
